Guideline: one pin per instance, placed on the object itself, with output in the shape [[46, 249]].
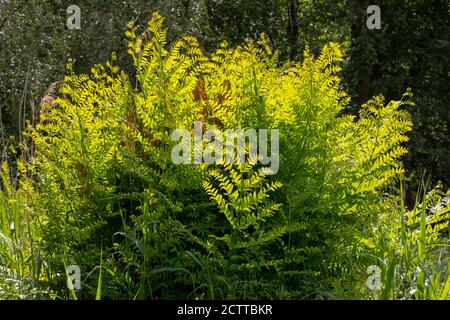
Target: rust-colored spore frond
[[47, 102]]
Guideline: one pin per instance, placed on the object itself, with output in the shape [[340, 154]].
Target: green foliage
[[415, 256], [22, 262], [102, 186], [240, 198]]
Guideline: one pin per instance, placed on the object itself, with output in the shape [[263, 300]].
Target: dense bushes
[[102, 191]]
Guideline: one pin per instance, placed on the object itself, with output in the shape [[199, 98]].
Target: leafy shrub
[[102, 179]]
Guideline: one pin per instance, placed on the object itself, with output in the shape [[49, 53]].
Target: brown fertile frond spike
[[200, 91], [199, 96], [49, 95], [46, 105]]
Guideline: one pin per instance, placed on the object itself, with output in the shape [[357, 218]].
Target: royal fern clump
[[103, 193]]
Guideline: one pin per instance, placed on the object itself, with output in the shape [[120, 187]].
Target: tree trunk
[[293, 28], [361, 53]]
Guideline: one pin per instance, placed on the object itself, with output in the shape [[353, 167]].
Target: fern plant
[[102, 178]]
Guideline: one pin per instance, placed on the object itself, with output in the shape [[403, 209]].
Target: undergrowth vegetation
[[98, 188]]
